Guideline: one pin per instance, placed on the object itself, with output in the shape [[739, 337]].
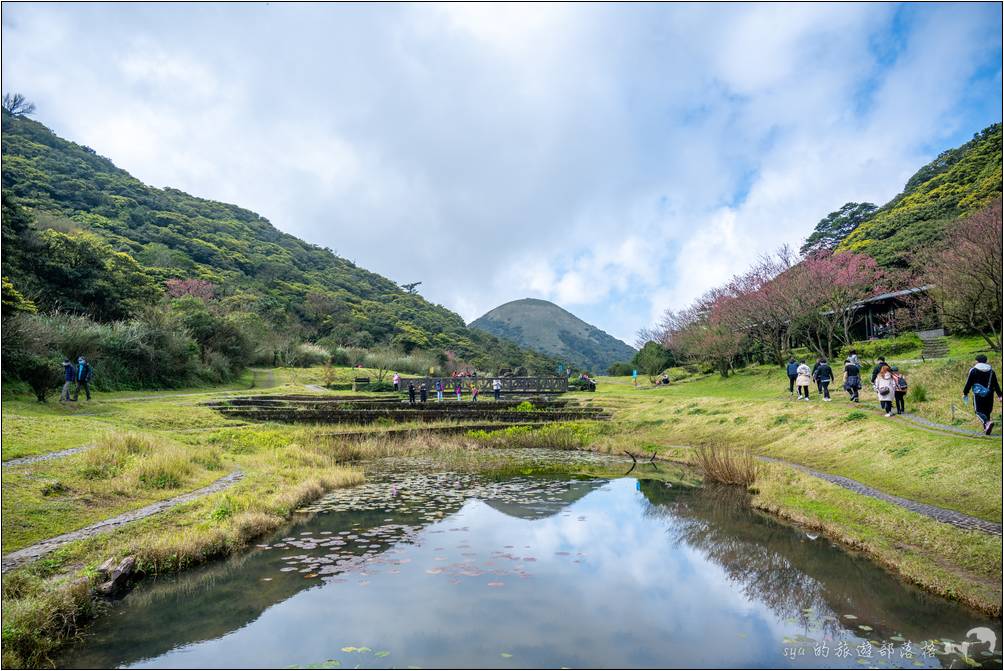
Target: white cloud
[[618, 159]]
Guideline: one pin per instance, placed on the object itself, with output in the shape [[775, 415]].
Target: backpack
[[901, 383], [88, 372]]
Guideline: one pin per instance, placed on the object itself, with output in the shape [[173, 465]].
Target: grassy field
[[149, 446]]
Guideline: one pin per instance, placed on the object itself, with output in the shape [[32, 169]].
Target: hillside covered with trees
[[83, 238], [957, 183]]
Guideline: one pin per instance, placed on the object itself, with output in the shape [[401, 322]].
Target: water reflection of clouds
[[686, 583], [637, 599]]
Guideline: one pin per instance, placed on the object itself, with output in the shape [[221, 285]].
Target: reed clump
[[727, 466]]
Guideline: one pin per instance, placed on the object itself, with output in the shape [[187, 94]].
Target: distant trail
[[33, 552], [952, 517], [21, 461]]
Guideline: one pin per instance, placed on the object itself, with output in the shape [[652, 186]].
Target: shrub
[[855, 416], [727, 466], [166, 469], [525, 406], [870, 350], [620, 369], [308, 354], [918, 393]]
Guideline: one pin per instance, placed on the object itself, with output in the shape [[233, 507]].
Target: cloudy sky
[[617, 160]]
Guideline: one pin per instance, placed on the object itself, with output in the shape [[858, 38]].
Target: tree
[[832, 288], [18, 105], [834, 227], [652, 359], [966, 274]]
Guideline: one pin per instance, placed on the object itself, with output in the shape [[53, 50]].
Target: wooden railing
[[510, 385]]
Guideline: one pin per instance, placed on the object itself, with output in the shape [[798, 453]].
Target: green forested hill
[[68, 211], [955, 184], [553, 330]]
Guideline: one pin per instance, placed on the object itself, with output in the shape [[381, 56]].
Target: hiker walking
[[982, 381], [792, 370], [497, 388], [900, 391], [458, 389], [70, 376], [815, 378], [852, 379], [439, 391], [802, 380], [823, 376], [885, 387], [84, 374], [423, 393], [411, 393], [877, 368], [474, 392], [853, 358], [397, 382]]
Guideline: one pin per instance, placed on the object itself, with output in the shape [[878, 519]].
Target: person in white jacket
[[885, 387], [803, 381]]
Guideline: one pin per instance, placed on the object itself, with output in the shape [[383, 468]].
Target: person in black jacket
[[819, 387], [852, 379], [982, 381], [792, 370], [878, 366], [823, 376]]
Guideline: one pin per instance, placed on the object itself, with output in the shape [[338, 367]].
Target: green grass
[[841, 438]]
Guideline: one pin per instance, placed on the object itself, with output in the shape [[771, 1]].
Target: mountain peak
[[549, 328]]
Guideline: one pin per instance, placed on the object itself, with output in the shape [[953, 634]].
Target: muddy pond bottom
[[439, 569]]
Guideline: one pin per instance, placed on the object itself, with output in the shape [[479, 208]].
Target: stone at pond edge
[[105, 570], [119, 577]]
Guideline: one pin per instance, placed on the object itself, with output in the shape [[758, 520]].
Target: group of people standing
[[422, 391], [891, 385], [75, 378]]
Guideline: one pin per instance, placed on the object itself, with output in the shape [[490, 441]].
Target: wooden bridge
[[529, 386]]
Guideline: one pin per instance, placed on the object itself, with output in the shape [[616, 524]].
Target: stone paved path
[[31, 553], [21, 461], [952, 517]]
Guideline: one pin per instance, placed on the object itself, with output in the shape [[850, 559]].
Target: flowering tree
[[203, 289], [832, 288], [966, 274]]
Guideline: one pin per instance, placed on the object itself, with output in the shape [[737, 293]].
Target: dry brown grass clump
[[728, 466]]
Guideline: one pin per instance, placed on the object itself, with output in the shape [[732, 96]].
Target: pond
[[429, 568]]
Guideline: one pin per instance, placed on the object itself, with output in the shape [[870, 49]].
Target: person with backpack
[[475, 391], [982, 381], [852, 380], [84, 375], [792, 370], [900, 391], [458, 390], [815, 378], [823, 376], [885, 387], [803, 380], [70, 377]]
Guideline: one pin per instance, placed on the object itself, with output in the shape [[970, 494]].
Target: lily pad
[[505, 655], [350, 648], [864, 627], [381, 653]]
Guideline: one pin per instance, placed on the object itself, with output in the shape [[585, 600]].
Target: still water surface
[[439, 569]]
